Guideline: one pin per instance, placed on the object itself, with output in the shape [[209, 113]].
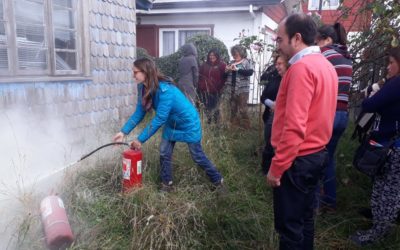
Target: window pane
[[3, 38], [63, 18], [3, 41], [1, 10], [32, 58], [184, 35], [64, 3], [168, 42], [65, 60], [3, 58], [29, 11], [30, 34], [332, 3], [64, 39]]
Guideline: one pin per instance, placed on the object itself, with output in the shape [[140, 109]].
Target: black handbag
[[370, 157]]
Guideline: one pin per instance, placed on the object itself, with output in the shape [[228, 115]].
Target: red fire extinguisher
[[131, 169], [55, 222]]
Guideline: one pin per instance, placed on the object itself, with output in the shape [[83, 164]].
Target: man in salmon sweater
[[303, 123]]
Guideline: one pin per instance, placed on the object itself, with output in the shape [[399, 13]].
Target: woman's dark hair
[[395, 53], [336, 32], [152, 78], [284, 58], [239, 49], [302, 24], [215, 52]]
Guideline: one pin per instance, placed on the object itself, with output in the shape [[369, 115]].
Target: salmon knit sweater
[[304, 112]]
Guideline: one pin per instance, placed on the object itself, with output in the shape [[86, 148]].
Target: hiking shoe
[[221, 189], [166, 188]]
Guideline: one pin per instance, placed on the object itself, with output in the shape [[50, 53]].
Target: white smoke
[[32, 147]]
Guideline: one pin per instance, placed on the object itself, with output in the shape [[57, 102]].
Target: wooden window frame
[[82, 45], [176, 29]]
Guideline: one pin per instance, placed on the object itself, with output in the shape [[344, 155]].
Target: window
[[171, 39], [40, 37], [326, 4]]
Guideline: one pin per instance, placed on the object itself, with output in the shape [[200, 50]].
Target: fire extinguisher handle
[[105, 145]]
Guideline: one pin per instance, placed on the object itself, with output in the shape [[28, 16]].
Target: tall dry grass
[[194, 216]]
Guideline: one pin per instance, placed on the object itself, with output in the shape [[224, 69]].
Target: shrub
[[141, 52], [204, 43], [168, 65]]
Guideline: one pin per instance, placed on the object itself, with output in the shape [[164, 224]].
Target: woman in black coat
[[272, 76]]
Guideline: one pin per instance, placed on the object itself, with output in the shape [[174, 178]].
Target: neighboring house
[[330, 13], [70, 59], [167, 26]]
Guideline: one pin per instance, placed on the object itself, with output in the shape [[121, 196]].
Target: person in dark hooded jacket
[[332, 41], [188, 72]]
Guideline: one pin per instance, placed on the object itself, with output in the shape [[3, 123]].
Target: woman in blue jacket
[[173, 111]]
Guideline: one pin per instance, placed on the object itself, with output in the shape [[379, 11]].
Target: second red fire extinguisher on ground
[[55, 223], [131, 169]]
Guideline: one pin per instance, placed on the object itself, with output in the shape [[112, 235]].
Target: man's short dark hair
[[303, 24]]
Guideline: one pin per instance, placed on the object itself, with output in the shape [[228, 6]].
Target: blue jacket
[[386, 102], [173, 109]]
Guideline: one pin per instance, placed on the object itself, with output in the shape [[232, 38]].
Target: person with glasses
[[175, 113], [303, 117]]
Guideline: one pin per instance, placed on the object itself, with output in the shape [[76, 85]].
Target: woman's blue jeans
[[198, 156], [328, 197]]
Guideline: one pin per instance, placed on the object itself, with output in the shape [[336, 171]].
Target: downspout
[[251, 11]]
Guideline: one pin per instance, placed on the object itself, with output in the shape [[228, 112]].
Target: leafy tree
[[379, 22]]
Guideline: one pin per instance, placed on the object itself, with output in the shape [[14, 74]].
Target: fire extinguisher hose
[[105, 145]]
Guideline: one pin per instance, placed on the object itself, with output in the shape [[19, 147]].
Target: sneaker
[[166, 188], [221, 189]]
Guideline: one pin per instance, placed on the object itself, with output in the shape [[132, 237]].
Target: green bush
[[168, 65], [141, 52], [204, 43]]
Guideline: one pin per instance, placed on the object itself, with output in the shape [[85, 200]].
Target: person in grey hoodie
[[189, 72]]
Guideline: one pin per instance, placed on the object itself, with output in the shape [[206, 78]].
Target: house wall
[[227, 26], [35, 148], [106, 94]]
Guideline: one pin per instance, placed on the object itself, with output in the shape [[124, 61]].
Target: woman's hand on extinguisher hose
[[135, 144], [118, 137]]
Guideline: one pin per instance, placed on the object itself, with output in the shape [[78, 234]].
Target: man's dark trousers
[[293, 201]]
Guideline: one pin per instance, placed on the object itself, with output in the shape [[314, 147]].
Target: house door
[[147, 38]]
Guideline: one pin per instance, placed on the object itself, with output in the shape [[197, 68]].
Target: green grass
[[194, 217]]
